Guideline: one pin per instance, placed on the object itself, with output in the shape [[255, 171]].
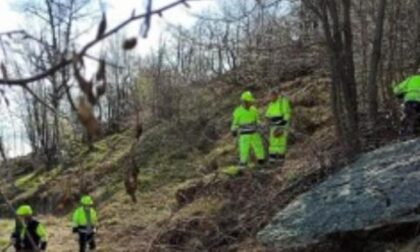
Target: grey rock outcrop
[[379, 189]]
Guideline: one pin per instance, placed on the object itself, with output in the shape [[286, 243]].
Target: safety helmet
[[86, 200], [24, 210], [247, 96]]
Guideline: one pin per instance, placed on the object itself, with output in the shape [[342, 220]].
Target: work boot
[[241, 169], [280, 159], [275, 160], [261, 164], [272, 159]]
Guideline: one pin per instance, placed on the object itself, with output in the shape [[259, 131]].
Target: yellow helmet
[[247, 96], [24, 210], [86, 200]]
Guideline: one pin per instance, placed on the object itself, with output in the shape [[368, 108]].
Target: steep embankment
[[184, 203]]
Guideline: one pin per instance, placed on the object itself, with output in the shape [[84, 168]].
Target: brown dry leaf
[[87, 118], [4, 72], [85, 86], [101, 89], [131, 181], [102, 26], [145, 26], [100, 74], [139, 130], [129, 43], [81, 61]]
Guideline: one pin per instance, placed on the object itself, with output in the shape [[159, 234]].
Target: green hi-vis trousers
[[246, 143], [278, 145]]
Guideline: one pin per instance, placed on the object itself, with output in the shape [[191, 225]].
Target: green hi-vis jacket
[[409, 89], [81, 218], [32, 229], [244, 117], [279, 108]]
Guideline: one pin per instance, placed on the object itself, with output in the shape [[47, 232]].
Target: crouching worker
[[278, 114], [245, 124], [29, 235], [84, 223]]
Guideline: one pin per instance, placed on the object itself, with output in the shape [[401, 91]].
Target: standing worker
[[409, 91], [84, 223], [29, 235], [278, 114], [245, 125]]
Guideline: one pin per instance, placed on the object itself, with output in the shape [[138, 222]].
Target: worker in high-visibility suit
[[409, 91], [278, 114], [245, 124], [84, 223], [29, 234]]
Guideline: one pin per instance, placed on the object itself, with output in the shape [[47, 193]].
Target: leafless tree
[[372, 88], [57, 21], [121, 100], [56, 62]]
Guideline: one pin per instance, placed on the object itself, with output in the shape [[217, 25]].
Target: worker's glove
[[43, 246], [234, 133], [75, 230], [283, 123], [93, 230]]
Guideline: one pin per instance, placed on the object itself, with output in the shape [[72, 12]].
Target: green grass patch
[[25, 179], [206, 206]]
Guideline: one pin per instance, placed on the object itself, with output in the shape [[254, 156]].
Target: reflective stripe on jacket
[[245, 118], [33, 230], [279, 111]]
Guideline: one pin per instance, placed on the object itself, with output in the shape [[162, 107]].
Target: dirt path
[[60, 237]]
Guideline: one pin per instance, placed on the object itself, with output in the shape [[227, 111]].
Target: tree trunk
[[372, 87], [339, 39]]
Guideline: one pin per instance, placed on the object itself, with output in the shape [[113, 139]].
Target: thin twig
[[67, 61], [108, 63], [13, 32], [38, 99]]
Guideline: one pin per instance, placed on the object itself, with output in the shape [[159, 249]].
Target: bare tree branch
[[11, 33], [37, 98], [67, 61], [108, 63]]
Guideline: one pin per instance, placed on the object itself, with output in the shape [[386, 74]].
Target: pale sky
[[117, 10]]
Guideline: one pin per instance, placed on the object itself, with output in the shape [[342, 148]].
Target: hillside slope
[[184, 203]]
